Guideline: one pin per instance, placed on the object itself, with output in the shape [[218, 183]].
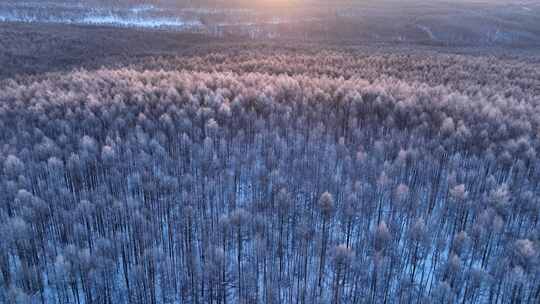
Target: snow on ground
[[143, 8], [109, 19], [428, 31], [141, 22], [142, 16]]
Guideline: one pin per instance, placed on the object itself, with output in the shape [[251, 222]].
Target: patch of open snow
[[17, 18], [140, 22], [428, 31], [154, 22], [143, 8]]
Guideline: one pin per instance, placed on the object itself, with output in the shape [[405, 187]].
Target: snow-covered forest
[[302, 177], [431, 22]]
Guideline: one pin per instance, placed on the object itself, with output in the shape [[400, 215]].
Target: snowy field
[[141, 16]]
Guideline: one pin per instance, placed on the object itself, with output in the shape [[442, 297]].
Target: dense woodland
[[319, 177]]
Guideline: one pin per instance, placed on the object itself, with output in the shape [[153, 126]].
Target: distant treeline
[[253, 178]]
